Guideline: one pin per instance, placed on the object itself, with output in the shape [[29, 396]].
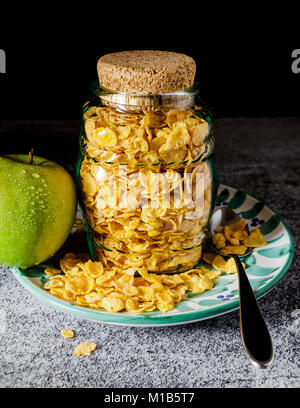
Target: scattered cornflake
[[67, 333], [230, 266], [117, 289], [255, 239], [220, 264], [85, 348], [52, 271]]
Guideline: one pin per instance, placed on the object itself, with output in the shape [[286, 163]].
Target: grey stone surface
[[260, 156]]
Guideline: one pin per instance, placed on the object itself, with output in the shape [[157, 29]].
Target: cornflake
[[85, 348], [52, 271], [67, 333], [219, 263]]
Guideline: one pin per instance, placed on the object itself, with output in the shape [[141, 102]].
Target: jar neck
[[135, 103]]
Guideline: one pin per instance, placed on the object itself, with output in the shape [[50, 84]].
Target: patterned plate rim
[[157, 320]]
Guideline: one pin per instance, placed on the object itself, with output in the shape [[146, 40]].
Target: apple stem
[[30, 156]]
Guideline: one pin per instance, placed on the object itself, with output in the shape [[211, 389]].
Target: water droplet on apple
[[36, 175]]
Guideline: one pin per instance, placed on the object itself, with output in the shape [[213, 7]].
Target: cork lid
[[146, 72]]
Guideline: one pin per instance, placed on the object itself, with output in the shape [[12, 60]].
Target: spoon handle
[[255, 335]]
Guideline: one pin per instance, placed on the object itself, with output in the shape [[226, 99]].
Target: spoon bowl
[[221, 218]]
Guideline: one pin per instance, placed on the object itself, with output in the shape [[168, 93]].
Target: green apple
[[37, 209]]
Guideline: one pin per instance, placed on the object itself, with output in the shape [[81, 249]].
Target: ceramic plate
[[265, 268]]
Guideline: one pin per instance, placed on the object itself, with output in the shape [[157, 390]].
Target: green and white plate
[[265, 268]]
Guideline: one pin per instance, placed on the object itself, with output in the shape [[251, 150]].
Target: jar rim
[[182, 99]]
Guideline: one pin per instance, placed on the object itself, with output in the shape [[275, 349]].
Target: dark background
[[243, 56]]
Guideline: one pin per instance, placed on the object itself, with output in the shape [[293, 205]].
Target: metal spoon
[[255, 335]]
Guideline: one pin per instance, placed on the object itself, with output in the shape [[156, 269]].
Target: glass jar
[[147, 178]]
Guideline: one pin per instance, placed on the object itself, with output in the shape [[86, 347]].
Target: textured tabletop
[[260, 156]]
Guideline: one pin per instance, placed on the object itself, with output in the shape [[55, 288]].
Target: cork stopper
[[146, 72]]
